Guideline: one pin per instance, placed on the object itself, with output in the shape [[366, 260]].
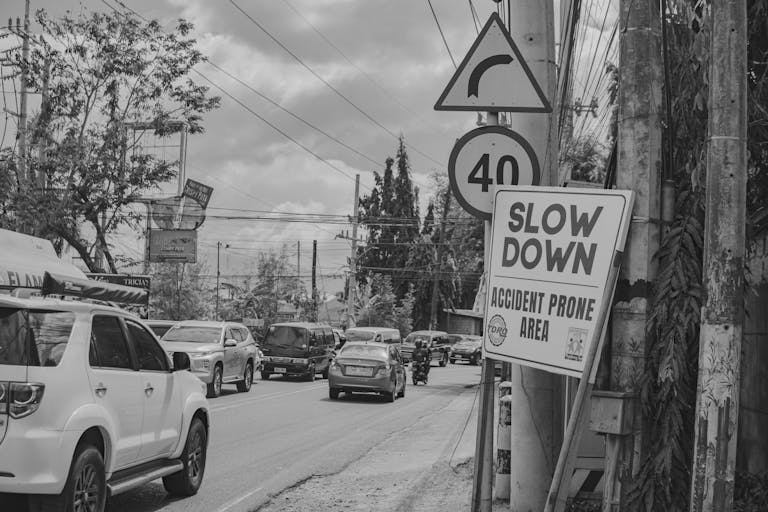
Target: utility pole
[[535, 423], [439, 261], [352, 281], [722, 317], [23, 167], [298, 260], [639, 163], [482, 481], [314, 280], [218, 276]]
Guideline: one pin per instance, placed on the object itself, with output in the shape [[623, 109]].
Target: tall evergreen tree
[[391, 215]]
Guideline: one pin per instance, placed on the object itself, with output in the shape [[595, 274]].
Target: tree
[[179, 292], [102, 70], [456, 260], [379, 307], [390, 214]]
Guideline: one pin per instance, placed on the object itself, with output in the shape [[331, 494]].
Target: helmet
[[418, 344]]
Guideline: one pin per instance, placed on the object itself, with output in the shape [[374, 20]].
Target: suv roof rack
[[54, 284]]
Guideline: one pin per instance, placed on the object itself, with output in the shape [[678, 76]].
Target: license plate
[[359, 370], [279, 370]]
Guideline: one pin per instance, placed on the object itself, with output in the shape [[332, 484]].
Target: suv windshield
[[413, 338], [34, 337], [193, 334], [355, 335], [285, 336]]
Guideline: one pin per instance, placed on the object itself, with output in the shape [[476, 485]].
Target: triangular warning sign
[[494, 76]]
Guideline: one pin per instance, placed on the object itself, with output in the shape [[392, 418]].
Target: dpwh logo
[[497, 330]]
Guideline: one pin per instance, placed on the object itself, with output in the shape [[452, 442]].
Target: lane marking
[[234, 502], [261, 398]]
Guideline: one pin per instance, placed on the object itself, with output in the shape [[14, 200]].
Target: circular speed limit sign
[[486, 157]]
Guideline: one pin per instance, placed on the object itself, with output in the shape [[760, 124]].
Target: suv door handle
[[149, 389], [101, 390]]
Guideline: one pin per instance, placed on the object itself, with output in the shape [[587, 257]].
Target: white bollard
[[504, 441]]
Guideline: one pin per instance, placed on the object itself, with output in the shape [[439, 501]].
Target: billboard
[[173, 246]]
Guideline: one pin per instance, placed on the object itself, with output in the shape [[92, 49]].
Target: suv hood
[[467, 345], [190, 348]]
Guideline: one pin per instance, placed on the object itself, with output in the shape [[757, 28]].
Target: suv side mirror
[[230, 343], [180, 361]]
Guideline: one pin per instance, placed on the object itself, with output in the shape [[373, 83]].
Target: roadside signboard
[[551, 253], [494, 76], [173, 246], [137, 281], [487, 157], [198, 192]]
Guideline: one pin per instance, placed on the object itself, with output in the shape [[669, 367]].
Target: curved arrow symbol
[[477, 73]]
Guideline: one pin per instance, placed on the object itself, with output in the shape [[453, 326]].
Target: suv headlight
[[198, 355]]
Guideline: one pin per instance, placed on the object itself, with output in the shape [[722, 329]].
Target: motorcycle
[[419, 372]]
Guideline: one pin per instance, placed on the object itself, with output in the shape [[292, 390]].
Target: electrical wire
[[442, 35], [375, 83], [331, 87], [274, 127]]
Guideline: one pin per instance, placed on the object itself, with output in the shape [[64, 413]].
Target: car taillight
[[383, 370], [24, 398]]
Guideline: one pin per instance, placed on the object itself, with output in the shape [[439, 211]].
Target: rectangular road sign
[[173, 246], [551, 252], [198, 191]]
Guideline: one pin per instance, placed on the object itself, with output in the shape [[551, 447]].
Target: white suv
[[91, 405]]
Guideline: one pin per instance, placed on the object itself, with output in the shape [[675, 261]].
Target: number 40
[[482, 167]]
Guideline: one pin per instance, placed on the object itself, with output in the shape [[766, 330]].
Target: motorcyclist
[[421, 356]]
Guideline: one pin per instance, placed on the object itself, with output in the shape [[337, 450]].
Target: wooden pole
[[579, 419], [352, 281], [722, 317], [439, 262], [482, 488]]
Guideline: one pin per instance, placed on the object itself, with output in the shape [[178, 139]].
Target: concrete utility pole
[[352, 281], [639, 169], [535, 424], [722, 317]]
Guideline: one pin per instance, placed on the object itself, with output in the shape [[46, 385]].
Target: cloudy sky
[[386, 57]]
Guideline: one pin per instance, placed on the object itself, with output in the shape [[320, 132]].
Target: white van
[[379, 334]]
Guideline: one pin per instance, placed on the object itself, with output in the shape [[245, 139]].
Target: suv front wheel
[[187, 481], [86, 487], [214, 388]]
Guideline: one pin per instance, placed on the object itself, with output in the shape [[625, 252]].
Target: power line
[[440, 29], [330, 43], [278, 130], [327, 84]]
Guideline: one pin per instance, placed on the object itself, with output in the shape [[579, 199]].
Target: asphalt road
[[285, 431]]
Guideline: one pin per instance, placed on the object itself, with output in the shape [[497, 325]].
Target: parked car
[[220, 352], [298, 348], [367, 367], [91, 405], [436, 341], [466, 348], [377, 334], [160, 327]]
